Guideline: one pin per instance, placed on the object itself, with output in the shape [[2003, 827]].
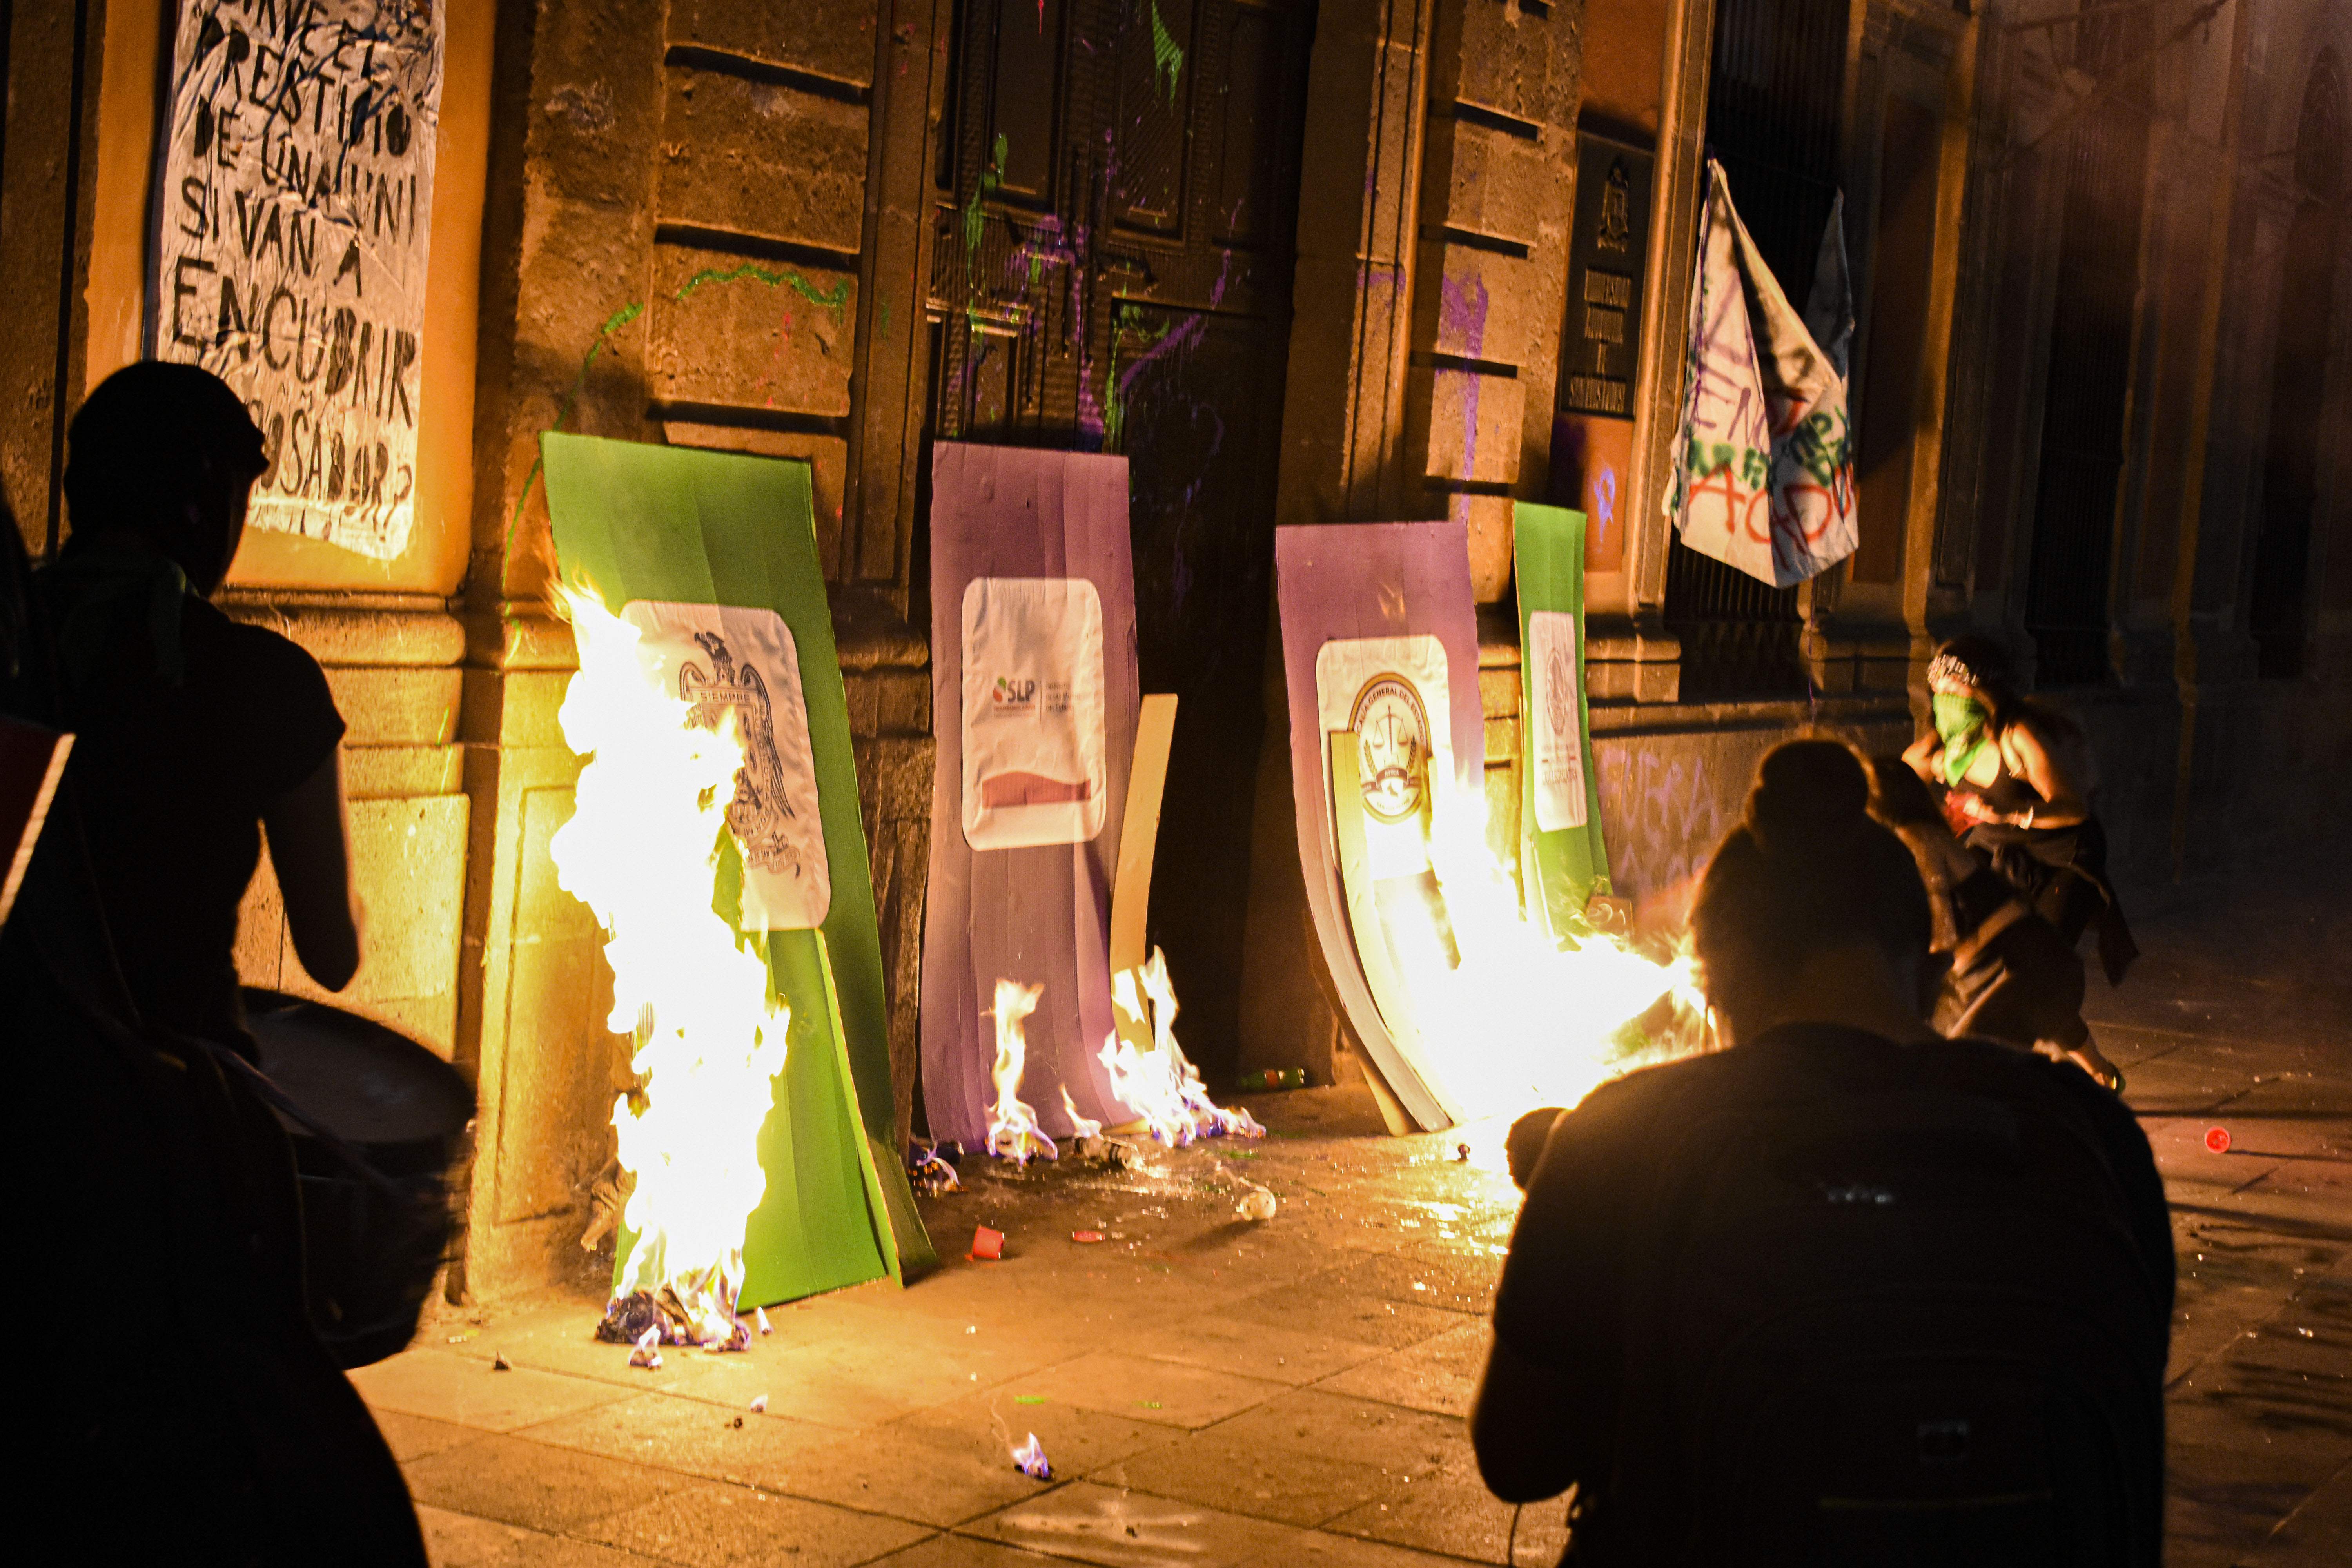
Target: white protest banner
[[1764, 460], [294, 206]]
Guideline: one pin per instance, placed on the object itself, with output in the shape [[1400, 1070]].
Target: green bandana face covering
[[1960, 722]]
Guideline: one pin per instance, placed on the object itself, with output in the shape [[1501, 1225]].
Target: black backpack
[[1887, 1308]]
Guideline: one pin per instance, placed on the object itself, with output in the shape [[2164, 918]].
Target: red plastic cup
[[2217, 1140], [987, 1243]]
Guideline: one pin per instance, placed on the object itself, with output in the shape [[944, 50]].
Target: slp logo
[[1009, 692]]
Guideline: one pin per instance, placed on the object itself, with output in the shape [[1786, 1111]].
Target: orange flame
[[641, 851], [1159, 1084], [1012, 1130], [1519, 1021]]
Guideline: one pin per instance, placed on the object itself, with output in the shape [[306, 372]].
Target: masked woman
[[2017, 779]]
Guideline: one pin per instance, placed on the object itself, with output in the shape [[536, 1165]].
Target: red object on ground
[[1085, 1236], [2217, 1140], [987, 1243]]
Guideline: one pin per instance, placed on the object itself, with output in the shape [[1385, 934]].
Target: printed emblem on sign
[[1616, 231], [1560, 691], [724, 659], [1035, 767], [761, 814], [1555, 713], [1391, 732]]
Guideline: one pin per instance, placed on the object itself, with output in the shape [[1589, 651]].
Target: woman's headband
[[1952, 667]]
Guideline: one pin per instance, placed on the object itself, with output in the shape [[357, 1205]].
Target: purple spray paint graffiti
[[1461, 319]]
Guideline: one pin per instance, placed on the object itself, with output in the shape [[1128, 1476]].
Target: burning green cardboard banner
[[1563, 861], [706, 536]]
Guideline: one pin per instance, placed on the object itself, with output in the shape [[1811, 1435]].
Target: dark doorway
[[2281, 563], [1772, 107], [2105, 174], [1116, 206]]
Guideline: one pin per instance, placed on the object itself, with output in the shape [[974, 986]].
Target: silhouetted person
[[1843, 1292], [177, 1404], [192, 731]]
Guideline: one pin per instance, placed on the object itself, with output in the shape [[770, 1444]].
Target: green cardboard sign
[[1563, 866], [667, 523]]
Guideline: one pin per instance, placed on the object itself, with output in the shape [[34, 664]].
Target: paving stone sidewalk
[[1217, 1394], [2240, 1019]]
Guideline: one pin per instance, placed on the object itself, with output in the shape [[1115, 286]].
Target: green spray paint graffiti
[[975, 216], [833, 298], [1167, 57]]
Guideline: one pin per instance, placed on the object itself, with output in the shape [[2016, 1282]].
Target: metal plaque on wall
[[1608, 254]]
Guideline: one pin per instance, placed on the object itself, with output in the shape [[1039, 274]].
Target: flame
[[1081, 1127], [641, 851], [1516, 1021], [1159, 1084], [1012, 1130]]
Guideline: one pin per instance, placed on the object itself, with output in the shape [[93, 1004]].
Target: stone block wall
[[1497, 192]]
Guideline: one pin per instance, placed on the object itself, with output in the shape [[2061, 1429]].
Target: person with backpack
[[1842, 1292], [2017, 779]]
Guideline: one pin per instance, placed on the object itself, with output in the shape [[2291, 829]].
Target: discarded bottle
[[1271, 1079]]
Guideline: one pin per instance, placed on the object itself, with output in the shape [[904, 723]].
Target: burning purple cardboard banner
[[1034, 701], [1380, 643]]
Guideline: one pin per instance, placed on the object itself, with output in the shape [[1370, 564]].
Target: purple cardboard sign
[[1031, 575], [1375, 608]]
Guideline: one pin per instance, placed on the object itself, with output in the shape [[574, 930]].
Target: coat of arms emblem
[[731, 659], [761, 814]]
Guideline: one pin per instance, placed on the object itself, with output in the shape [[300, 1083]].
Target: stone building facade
[[1302, 263]]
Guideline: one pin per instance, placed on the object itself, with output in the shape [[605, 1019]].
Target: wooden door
[[1115, 209]]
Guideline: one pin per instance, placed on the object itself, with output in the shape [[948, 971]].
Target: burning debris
[[1012, 1130], [641, 851], [647, 1352], [672, 1317], [1518, 1019], [1159, 1084], [1156, 1082], [930, 1174], [1030, 1458]]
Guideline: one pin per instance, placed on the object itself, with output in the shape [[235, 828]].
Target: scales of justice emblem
[[761, 813], [1391, 730]]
